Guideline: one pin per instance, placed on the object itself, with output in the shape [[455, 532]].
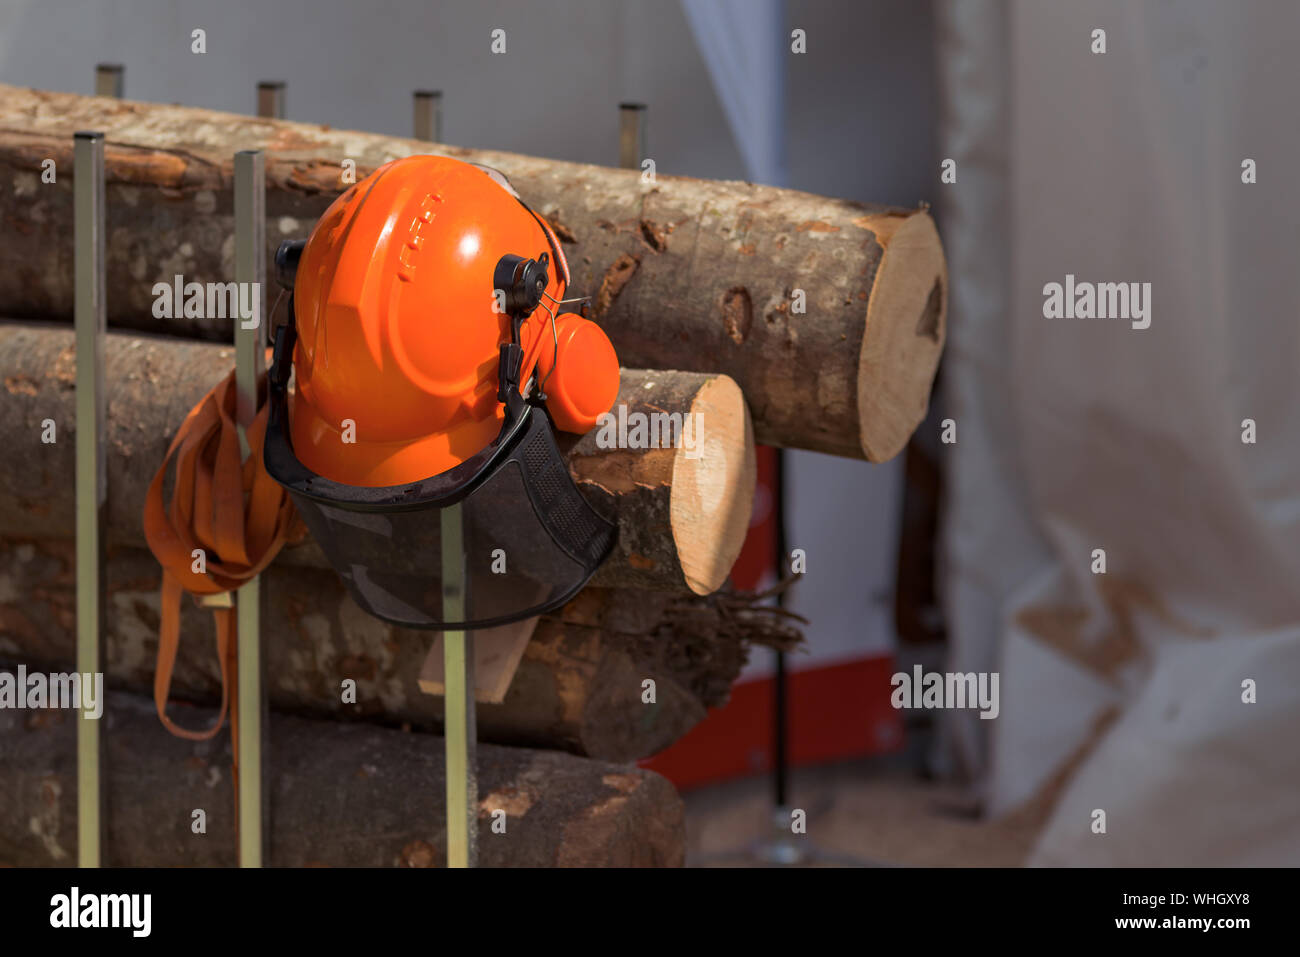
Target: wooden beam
[[497, 653]]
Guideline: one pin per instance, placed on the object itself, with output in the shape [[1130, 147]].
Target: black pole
[[780, 729]]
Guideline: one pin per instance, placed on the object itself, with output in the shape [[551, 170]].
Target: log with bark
[[682, 510], [579, 685], [829, 314], [339, 795]]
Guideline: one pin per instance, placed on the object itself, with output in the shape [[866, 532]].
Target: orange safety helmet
[[431, 362], [399, 325]]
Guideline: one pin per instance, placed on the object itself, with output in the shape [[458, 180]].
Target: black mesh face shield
[[503, 536]]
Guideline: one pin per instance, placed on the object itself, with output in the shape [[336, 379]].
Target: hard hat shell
[[398, 330]]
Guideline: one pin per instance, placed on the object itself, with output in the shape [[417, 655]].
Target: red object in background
[[755, 566], [838, 711]]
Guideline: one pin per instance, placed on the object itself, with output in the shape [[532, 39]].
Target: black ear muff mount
[[522, 282], [287, 257]]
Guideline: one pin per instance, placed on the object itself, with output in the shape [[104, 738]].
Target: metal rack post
[[91, 474], [631, 134], [250, 359], [428, 115], [458, 700], [270, 99], [108, 79]]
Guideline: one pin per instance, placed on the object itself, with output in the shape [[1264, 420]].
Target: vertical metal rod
[[91, 475], [108, 79], [458, 700], [631, 134], [250, 358], [270, 99], [780, 733], [428, 115]]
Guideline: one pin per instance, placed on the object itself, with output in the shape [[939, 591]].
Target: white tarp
[[743, 45], [1080, 434]]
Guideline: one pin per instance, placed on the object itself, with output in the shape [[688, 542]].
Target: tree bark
[[340, 795], [830, 315], [579, 686], [682, 511]]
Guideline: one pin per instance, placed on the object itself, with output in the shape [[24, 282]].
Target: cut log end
[[714, 484], [907, 322], [683, 491]]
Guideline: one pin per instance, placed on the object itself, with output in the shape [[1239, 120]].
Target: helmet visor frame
[[513, 504]]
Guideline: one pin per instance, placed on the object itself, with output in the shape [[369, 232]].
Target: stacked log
[[759, 313], [383, 805], [830, 315], [578, 688], [682, 511]]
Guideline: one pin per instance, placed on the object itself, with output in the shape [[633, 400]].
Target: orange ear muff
[[583, 384]]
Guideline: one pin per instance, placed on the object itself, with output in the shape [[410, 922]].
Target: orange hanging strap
[[226, 521]]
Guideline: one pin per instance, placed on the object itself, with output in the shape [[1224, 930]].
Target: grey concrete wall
[[860, 101]]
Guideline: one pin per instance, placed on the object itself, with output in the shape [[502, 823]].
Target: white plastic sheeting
[[1080, 434], [743, 46]]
